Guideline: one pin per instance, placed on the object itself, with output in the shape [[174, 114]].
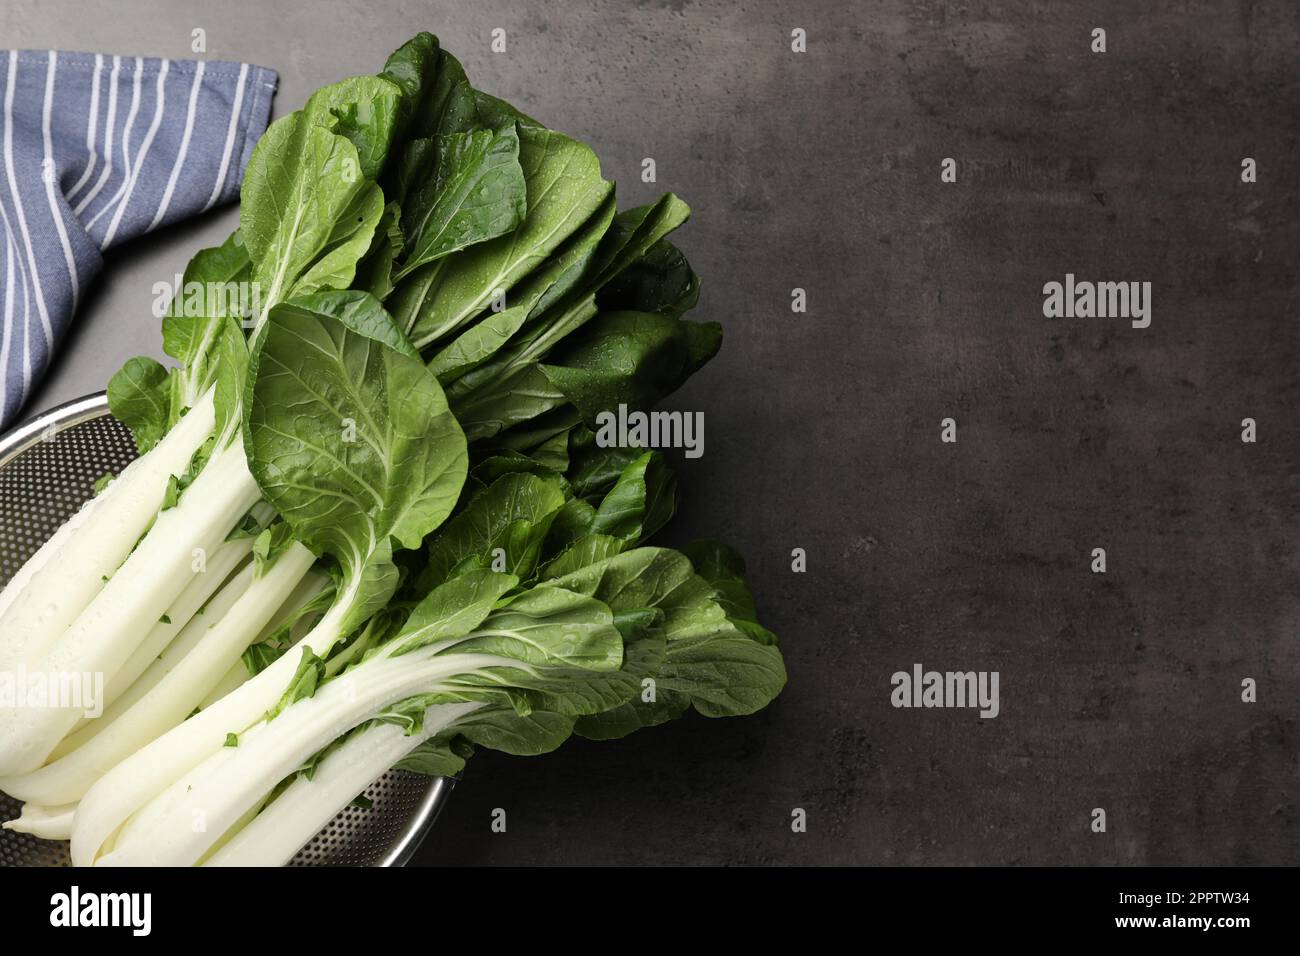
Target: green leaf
[[640, 499], [568, 266], [375, 270], [633, 715], [570, 651], [532, 435], [359, 312], [171, 494], [230, 356], [351, 440], [724, 673], [232, 740], [495, 329], [139, 397], [572, 523], [643, 363], [564, 188], [433, 758], [641, 587], [476, 193], [269, 545], [660, 281], [208, 290], [724, 568], [478, 343], [453, 609], [527, 395], [554, 452], [248, 527], [640, 503], [657, 578], [258, 657], [632, 358], [364, 110], [629, 237], [709, 662], [538, 732], [216, 287], [310, 672], [416, 165], [594, 469], [550, 627], [632, 234], [436, 97], [585, 549], [510, 463], [496, 113], [307, 214], [513, 513], [407, 714], [203, 330]]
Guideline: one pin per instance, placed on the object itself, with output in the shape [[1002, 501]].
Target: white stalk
[[196, 594], [311, 585], [60, 580], [232, 678], [247, 817], [152, 659], [145, 774], [193, 632], [48, 823], [225, 786], [192, 676], [285, 825], [139, 674], [114, 624]]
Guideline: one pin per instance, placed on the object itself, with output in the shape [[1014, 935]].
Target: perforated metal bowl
[[48, 468]]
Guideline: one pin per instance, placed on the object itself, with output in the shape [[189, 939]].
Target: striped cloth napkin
[[95, 150]]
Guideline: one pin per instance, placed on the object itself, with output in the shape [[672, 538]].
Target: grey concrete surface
[[821, 171]]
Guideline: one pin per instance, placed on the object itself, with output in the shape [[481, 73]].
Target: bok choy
[[370, 525]]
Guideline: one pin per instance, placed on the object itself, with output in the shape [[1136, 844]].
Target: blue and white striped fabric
[[95, 150]]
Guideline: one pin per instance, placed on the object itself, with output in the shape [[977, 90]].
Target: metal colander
[[48, 468]]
